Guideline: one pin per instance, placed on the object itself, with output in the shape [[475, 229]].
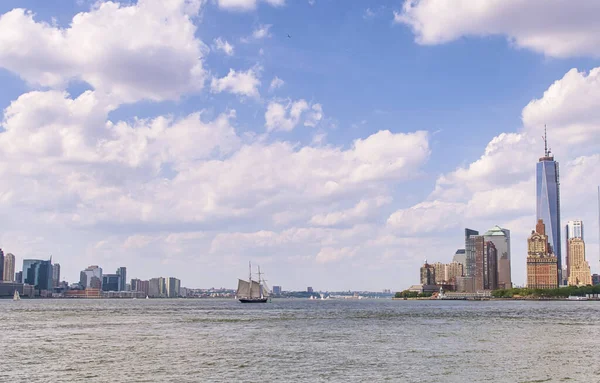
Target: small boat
[[252, 291], [16, 296], [577, 298], [147, 297]]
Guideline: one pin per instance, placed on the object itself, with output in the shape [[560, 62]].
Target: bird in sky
[[289, 37]]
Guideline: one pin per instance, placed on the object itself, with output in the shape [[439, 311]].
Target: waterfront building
[[573, 229], [470, 252], [276, 290], [595, 279], [465, 284], [548, 203], [460, 257], [452, 271], [579, 270], [542, 265], [143, 286], [91, 277], [9, 268], [110, 282], [88, 293], [1, 265], [440, 273], [501, 239], [427, 274], [122, 273], [19, 277], [38, 273], [7, 289], [134, 284], [156, 288], [486, 266], [309, 289], [55, 274], [172, 287]]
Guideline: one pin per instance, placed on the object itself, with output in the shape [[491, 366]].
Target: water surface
[[298, 341]]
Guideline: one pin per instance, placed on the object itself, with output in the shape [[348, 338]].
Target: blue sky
[[356, 70]]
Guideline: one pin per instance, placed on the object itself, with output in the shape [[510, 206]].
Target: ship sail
[[243, 288], [255, 290]]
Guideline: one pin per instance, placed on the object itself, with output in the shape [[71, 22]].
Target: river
[[204, 340]]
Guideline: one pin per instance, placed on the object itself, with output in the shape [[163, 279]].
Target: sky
[[336, 144]]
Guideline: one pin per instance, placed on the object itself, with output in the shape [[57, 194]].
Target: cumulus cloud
[[280, 117], [361, 210], [224, 46], [276, 83], [150, 51], [239, 83], [262, 31], [246, 5], [556, 28]]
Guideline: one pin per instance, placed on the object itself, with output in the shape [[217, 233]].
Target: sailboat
[[16, 297], [252, 291]]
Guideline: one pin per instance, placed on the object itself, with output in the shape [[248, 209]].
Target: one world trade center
[[548, 201]]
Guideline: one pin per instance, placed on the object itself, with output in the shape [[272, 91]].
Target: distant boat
[[252, 291], [577, 298], [147, 297], [16, 297]]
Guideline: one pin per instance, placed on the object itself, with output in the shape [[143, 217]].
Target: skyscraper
[[9, 268], [38, 273], [548, 202], [55, 274], [486, 264], [579, 271], [122, 273], [1, 265], [440, 272], [452, 271], [573, 229], [91, 277], [427, 274], [461, 257], [470, 252], [542, 265], [501, 239], [172, 287], [110, 282]]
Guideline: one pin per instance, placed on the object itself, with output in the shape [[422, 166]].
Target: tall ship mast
[[252, 291]]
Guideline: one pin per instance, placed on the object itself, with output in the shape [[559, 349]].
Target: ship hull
[[253, 300]]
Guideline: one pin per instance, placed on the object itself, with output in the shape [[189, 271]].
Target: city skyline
[[219, 140]]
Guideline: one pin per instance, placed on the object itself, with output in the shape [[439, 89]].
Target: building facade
[[452, 271], [573, 229], [9, 268], [440, 273], [579, 271], [38, 273], [172, 287], [470, 252], [548, 203], [276, 290], [460, 257], [501, 239], [542, 265], [55, 274], [1, 265], [486, 265], [91, 277], [427, 274], [110, 282], [122, 273]]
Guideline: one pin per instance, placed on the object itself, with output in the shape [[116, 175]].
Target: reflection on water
[[297, 341]]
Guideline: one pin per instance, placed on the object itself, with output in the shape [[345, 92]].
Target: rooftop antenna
[[546, 153]]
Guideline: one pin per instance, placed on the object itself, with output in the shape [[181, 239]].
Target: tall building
[[91, 278], [155, 288], [579, 271], [134, 284], [110, 282], [501, 239], [142, 286], [55, 274], [1, 265], [122, 273], [38, 273], [461, 257], [470, 252], [276, 290], [9, 268], [427, 274], [309, 289], [542, 265], [548, 202], [573, 229], [453, 270], [172, 287], [440, 273], [486, 264], [19, 277]]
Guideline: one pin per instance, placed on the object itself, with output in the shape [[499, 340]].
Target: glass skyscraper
[[548, 202]]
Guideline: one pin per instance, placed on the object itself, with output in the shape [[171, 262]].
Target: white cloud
[[363, 209], [224, 46], [557, 28], [246, 5], [280, 117], [149, 52], [330, 254], [262, 31], [239, 83], [276, 83]]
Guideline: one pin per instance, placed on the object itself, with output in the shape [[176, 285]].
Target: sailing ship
[[16, 297], [252, 291]]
